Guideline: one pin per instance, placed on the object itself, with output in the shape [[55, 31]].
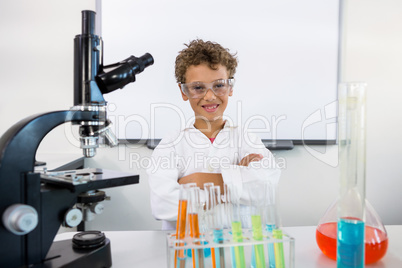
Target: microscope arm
[[19, 185], [23, 138], [29, 244]]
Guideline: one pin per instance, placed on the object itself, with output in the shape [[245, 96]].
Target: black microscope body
[[33, 205]]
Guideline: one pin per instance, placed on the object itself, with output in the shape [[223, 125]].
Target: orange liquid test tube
[[195, 233], [181, 224], [193, 209], [181, 229]]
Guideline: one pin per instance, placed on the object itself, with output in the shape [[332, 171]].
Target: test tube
[[208, 212], [180, 255], [232, 199], [352, 156], [216, 224], [192, 213], [256, 193], [272, 221]]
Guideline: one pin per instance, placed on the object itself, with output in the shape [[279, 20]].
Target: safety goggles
[[198, 90]]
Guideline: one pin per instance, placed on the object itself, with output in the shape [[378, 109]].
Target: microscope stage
[[88, 178]]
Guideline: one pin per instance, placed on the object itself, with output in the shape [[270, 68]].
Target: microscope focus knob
[[97, 208], [20, 219], [72, 218]]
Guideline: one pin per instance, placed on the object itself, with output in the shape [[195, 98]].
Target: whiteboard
[[286, 80]]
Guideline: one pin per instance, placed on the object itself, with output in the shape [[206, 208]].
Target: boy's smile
[[210, 108]]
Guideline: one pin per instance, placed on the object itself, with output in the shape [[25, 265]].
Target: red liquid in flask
[[375, 241]]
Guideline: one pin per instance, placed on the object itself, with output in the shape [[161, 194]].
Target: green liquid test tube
[[278, 248], [257, 235], [238, 250]]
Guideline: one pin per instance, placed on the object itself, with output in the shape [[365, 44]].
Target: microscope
[[33, 205]]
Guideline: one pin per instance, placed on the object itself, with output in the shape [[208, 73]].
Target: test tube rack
[[206, 243]]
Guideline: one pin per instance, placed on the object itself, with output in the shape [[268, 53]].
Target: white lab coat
[[190, 151]]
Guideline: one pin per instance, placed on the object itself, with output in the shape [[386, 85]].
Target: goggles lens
[[198, 90]]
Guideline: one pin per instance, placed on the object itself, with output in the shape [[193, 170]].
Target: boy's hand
[[250, 158], [200, 178]]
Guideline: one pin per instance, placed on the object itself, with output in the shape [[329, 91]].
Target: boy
[[210, 150]]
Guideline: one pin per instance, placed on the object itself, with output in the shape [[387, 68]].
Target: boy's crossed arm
[[200, 178], [216, 178], [250, 158]]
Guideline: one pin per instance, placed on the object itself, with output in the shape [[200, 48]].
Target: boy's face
[[210, 107]]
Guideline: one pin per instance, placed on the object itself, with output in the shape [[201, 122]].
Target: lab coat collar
[[221, 138], [226, 126]]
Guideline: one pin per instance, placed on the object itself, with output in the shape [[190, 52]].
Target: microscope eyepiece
[[88, 22], [118, 75], [144, 61]]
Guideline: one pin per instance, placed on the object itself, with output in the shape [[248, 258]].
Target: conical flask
[[375, 240], [350, 231]]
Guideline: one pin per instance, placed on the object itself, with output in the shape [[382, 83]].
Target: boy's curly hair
[[199, 51]]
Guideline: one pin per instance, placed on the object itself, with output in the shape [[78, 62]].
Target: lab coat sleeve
[[265, 169], [163, 174]]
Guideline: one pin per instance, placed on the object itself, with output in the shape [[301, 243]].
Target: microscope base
[[62, 254]]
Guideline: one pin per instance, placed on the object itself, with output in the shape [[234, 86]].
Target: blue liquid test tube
[[215, 219], [271, 251], [272, 220], [352, 165], [350, 243]]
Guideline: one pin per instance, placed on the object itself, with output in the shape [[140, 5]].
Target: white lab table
[[148, 248]]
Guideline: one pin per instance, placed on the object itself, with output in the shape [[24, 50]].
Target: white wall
[[36, 65], [374, 55], [36, 60]]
